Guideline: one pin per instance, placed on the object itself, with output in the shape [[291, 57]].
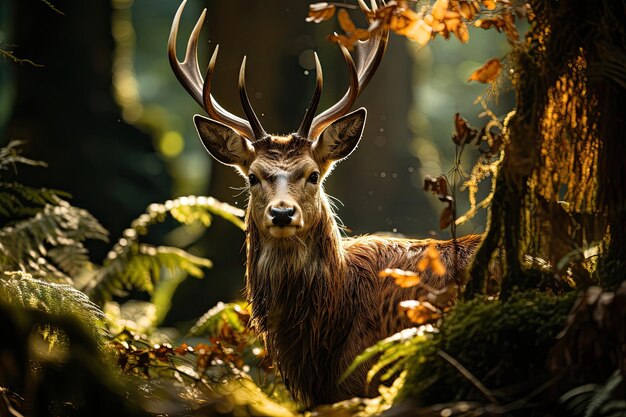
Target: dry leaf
[[347, 41], [440, 7], [462, 33], [437, 267], [467, 9], [420, 312], [318, 12], [487, 73], [431, 260], [463, 132], [346, 23], [489, 4], [437, 185], [509, 26], [404, 279]]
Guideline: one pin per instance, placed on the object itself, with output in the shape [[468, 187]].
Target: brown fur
[[316, 297]]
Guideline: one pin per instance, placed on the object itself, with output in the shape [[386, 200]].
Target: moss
[[504, 344]]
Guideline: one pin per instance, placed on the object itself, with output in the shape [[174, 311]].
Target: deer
[[316, 297]]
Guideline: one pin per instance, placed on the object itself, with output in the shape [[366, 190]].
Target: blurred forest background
[[99, 103]]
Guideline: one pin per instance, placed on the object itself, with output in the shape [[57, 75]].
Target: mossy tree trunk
[[562, 186]]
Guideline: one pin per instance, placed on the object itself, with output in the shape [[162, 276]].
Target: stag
[[316, 297]]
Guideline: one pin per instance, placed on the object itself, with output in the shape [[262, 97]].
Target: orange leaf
[[487, 73], [419, 32], [419, 312], [362, 34], [403, 279], [432, 252], [440, 7], [489, 4], [347, 41], [318, 12], [345, 21], [401, 21], [509, 26], [462, 33], [468, 9], [423, 264], [438, 267]]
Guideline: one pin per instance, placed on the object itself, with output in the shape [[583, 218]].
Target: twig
[[10, 55], [468, 375], [50, 5]]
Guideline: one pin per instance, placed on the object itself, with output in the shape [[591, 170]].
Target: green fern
[[21, 289], [18, 200], [134, 265], [49, 245], [393, 353], [595, 400], [213, 320]]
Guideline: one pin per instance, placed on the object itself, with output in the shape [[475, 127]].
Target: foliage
[[42, 239], [591, 400]]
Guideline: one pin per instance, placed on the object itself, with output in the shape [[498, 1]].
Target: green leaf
[[21, 289]]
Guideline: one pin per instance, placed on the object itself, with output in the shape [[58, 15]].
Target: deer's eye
[[314, 178], [253, 179]]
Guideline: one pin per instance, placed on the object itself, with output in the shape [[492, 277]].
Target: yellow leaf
[[403, 279], [440, 7], [419, 32]]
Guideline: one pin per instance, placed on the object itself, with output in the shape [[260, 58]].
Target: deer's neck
[[290, 275], [297, 291]]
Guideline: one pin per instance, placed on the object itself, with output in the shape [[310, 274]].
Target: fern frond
[[132, 265], [188, 210], [212, 321], [602, 395], [11, 155], [140, 266], [49, 244], [18, 200], [21, 289], [399, 347]]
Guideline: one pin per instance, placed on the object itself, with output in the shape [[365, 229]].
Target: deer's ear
[[223, 143], [340, 138]]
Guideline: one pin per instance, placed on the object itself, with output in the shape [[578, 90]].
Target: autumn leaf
[[420, 312], [318, 12], [346, 23], [487, 73], [419, 32], [463, 132], [467, 9], [437, 185], [440, 7], [489, 4], [431, 260], [403, 279]]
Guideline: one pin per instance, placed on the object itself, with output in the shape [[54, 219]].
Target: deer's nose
[[282, 216]]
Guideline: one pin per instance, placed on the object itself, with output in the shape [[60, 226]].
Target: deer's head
[[284, 173]]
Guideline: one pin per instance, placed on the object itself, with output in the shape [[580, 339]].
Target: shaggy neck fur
[[294, 285]]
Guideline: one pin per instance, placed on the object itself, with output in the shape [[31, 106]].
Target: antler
[[188, 74], [369, 56]]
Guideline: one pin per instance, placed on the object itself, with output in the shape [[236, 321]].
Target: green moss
[[504, 344]]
